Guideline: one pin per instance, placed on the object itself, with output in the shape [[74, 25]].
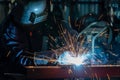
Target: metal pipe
[[94, 38]]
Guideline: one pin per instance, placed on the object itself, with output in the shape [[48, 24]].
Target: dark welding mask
[[30, 12]]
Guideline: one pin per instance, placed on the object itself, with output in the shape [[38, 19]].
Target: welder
[[30, 28]]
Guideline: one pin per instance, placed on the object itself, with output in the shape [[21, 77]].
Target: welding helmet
[[30, 12]]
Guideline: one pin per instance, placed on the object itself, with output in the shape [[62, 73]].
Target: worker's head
[[30, 12]]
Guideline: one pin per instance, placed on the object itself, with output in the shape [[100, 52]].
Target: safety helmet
[[29, 12]]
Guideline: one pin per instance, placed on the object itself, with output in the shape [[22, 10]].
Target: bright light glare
[[36, 9], [67, 59]]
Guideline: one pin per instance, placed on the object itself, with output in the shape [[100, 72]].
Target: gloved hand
[[44, 58]]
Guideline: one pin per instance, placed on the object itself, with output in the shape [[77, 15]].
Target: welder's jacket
[[21, 42]]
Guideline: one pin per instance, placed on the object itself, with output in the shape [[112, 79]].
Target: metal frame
[[89, 30], [53, 72]]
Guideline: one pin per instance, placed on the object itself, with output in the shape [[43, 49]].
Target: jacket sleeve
[[15, 49]]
